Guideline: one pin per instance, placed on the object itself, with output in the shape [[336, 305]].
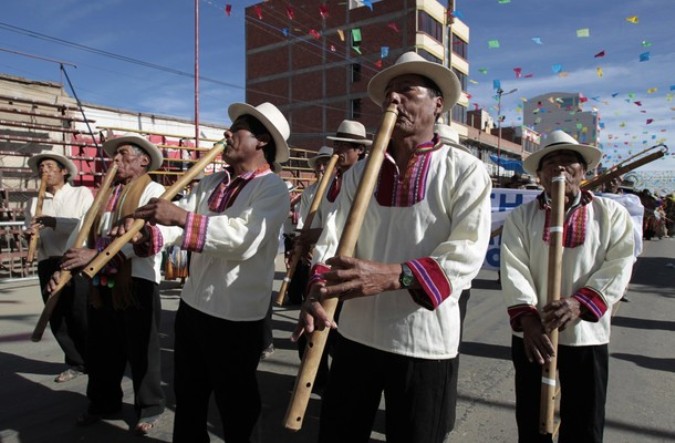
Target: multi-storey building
[[314, 60]]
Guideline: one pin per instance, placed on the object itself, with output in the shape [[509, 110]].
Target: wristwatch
[[406, 278]]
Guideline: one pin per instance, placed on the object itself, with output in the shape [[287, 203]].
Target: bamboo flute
[[314, 207], [32, 245], [316, 342], [548, 370], [81, 237]]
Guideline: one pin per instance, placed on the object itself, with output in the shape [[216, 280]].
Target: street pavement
[[34, 409]]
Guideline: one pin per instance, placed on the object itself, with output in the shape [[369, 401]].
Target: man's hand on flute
[[77, 258], [560, 313], [163, 212], [538, 346], [351, 277], [53, 282], [312, 315]]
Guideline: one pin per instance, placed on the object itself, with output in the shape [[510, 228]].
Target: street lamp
[[500, 92]]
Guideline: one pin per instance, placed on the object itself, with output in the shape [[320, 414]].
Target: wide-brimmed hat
[[559, 140], [352, 132], [324, 152], [110, 147], [273, 120], [413, 63], [34, 162], [449, 136]]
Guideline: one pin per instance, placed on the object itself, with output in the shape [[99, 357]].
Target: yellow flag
[[633, 19], [341, 34], [599, 71], [651, 90]]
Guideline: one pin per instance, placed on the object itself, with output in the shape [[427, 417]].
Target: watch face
[[406, 278]]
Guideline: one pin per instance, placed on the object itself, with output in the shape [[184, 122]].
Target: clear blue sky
[[161, 33]]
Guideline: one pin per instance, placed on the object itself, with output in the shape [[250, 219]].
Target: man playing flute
[[231, 223], [62, 209], [124, 310], [423, 240], [596, 267]]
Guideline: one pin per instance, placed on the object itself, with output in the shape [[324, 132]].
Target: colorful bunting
[[485, 71], [557, 68], [341, 34], [650, 120], [332, 48], [290, 12], [316, 35], [518, 72], [258, 11], [323, 11], [584, 32], [356, 36], [496, 84], [368, 4], [651, 90], [537, 40], [384, 52], [599, 72], [393, 26], [503, 2], [378, 64], [600, 54], [493, 44], [285, 32], [644, 56], [646, 44], [228, 10], [633, 19]]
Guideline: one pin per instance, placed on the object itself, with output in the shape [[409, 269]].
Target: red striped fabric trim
[[574, 225], [194, 233], [153, 245], [433, 280], [592, 301], [516, 312]]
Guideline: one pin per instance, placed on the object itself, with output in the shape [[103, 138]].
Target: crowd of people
[[402, 294]]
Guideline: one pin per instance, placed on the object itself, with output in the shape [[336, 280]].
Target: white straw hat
[[324, 152], [559, 140], [413, 63], [34, 162], [156, 159], [273, 120], [352, 132]]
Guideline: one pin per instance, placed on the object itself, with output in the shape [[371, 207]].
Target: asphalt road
[[34, 409]]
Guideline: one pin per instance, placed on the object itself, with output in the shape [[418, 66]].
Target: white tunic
[[69, 206], [451, 225]]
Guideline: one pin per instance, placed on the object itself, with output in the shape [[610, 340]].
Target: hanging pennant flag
[[615, 94], [356, 36], [496, 84], [290, 12], [598, 71], [644, 56], [633, 19], [368, 4], [600, 54], [473, 82], [384, 52], [582, 98], [639, 103], [503, 2], [651, 90], [284, 31], [483, 70], [518, 72], [228, 10], [458, 14], [332, 48], [557, 68], [341, 34], [378, 64], [537, 40], [493, 44], [672, 87], [323, 11], [258, 11], [650, 120], [584, 32], [646, 44], [393, 26], [316, 35], [564, 74], [357, 49], [529, 75]]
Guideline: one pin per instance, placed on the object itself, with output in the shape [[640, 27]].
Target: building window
[[459, 114], [459, 46], [429, 56], [356, 109], [462, 78], [429, 25], [356, 72]]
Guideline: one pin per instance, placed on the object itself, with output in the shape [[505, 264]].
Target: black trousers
[[583, 372], [69, 319], [419, 394], [120, 336], [216, 356]]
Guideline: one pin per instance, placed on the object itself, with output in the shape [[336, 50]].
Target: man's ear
[[438, 105], [263, 140], [145, 161]]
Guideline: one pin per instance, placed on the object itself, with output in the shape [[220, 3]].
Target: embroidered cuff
[[153, 243], [592, 303], [194, 234], [517, 312], [435, 287]]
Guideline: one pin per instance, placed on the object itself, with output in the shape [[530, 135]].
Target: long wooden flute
[[81, 237], [555, 251], [32, 244], [316, 342], [313, 208], [115, 246]]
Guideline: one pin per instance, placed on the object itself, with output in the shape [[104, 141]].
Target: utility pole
[[500, 92]]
